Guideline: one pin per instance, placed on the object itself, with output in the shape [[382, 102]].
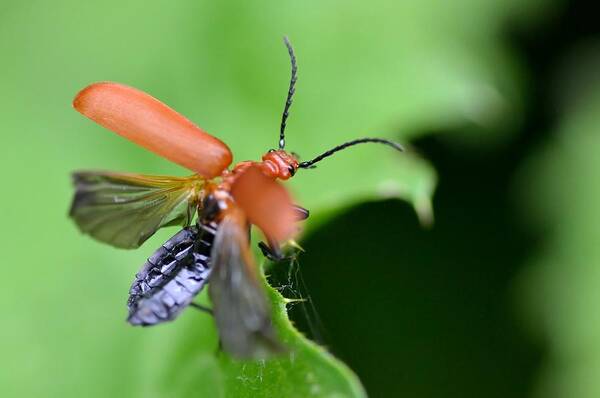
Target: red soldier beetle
[[124, 210]]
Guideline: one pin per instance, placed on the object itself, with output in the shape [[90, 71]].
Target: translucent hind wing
[[241, 310], [124, 210]]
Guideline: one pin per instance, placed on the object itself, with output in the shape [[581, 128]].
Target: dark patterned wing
[[240, 307], [172, 277], [124, 210]]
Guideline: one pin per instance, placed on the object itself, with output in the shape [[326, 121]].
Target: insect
[[215, 206]]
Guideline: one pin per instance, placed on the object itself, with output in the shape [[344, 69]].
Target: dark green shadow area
[[432, 313], [426, 313]]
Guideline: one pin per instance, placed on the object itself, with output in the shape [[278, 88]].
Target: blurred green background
[[499, 104]]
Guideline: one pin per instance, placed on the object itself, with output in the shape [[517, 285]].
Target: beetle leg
[[201, 308], [219, 349], [272, 251], [301, 212]]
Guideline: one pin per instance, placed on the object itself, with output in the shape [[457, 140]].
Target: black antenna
[[309, 164], [291, 91]]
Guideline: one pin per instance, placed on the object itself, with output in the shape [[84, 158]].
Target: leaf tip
[[424, 210]]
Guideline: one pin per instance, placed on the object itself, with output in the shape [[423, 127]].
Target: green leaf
[[306, 370]]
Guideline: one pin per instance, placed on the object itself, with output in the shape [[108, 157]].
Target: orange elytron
[[124, 210]]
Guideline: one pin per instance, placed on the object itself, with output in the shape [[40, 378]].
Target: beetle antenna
[[290, 95], [309, 164]]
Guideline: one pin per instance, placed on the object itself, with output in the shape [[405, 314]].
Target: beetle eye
[[292, 170], [271, 150]]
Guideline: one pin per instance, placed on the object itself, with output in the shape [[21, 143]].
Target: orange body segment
[[266, 203], [153, 125]]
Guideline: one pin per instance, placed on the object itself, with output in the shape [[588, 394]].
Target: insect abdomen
[[172, 276]]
